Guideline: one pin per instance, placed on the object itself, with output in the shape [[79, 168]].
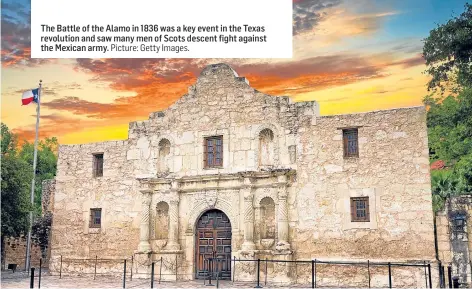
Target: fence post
[[265, 274], [95, 271], [132, 263], [258, 273], [160, 271], [60, 269], [124, 275], [429, 276], [425, 275], [449, 275], [39, 279], [312, 273], [32, 278], [443, 269], [315, 273], [368, 271], [441, 284], [210, 271], [217, 273], [389, 275], [152, 275]]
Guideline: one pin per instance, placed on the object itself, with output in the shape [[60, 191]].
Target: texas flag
[[30, 96]]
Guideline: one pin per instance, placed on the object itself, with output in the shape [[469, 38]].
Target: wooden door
[[213, 241]]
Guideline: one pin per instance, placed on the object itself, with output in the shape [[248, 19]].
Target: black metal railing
[[314, 264], [310, 273]]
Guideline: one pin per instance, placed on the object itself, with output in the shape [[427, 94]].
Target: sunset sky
[[350, 56]]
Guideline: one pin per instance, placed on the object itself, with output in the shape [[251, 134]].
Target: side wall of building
[[78, 191], [392, 170]]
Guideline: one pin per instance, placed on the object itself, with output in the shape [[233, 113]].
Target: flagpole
[[28, 242]]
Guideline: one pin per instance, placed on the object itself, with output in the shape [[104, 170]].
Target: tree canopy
[[17, 172], [448, 53], [15, 187]]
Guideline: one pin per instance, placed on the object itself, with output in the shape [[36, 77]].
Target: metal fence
[[303, 273], [311, 272]]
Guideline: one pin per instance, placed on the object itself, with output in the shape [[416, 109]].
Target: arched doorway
[[213, 240]]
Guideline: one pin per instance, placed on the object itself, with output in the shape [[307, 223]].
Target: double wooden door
[[213, 241]]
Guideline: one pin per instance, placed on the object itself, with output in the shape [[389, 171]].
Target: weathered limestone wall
[[47, 195], [392, 169], [77, 191], [167, 152]]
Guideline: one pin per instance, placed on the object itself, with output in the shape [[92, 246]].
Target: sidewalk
[[22, 280]]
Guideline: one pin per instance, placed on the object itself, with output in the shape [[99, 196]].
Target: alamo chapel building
[[230, 172]]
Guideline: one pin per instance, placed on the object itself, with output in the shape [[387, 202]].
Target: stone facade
[[453, 225], [283, 183]]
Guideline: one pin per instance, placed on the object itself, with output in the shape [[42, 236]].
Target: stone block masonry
[[229, 171]]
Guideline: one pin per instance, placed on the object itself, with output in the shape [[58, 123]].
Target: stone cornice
[[148, 184]]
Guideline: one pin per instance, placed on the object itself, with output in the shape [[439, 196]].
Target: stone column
[[248, 194], [144, 245], [282, 249], [173, 234], [282, 216]]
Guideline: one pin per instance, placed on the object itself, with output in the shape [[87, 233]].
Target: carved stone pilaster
[[248, 194], [282, 216], [173, 237], [144, 245]]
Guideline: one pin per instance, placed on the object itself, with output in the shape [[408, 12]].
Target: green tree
[[448, 52], [16, 183], [450, 140], [445, 184], [46, 164]]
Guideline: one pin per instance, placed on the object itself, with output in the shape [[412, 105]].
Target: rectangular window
[[360, 209], [95, 218], [213, 152], [351, 146], [98, 165]]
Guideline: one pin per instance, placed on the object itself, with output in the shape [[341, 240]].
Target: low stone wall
[[88, 267], [335, 275], [15, 253]]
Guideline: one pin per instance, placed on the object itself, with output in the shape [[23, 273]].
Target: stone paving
[[21, 279]]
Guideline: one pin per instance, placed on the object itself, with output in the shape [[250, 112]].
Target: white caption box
[[64, 29]]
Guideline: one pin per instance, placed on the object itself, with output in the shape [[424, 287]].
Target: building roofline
[[377, 111]]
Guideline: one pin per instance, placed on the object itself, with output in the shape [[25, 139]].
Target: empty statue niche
[[164, 154], [267, 214], [266, 147], [162, 221]]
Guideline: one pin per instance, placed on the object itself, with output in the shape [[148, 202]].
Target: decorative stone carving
[[292, 152], [226, 204], [283, 245], [246, 270], [248, 193], [173, 239], [144, 244], [211, 197], [267, 243]]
